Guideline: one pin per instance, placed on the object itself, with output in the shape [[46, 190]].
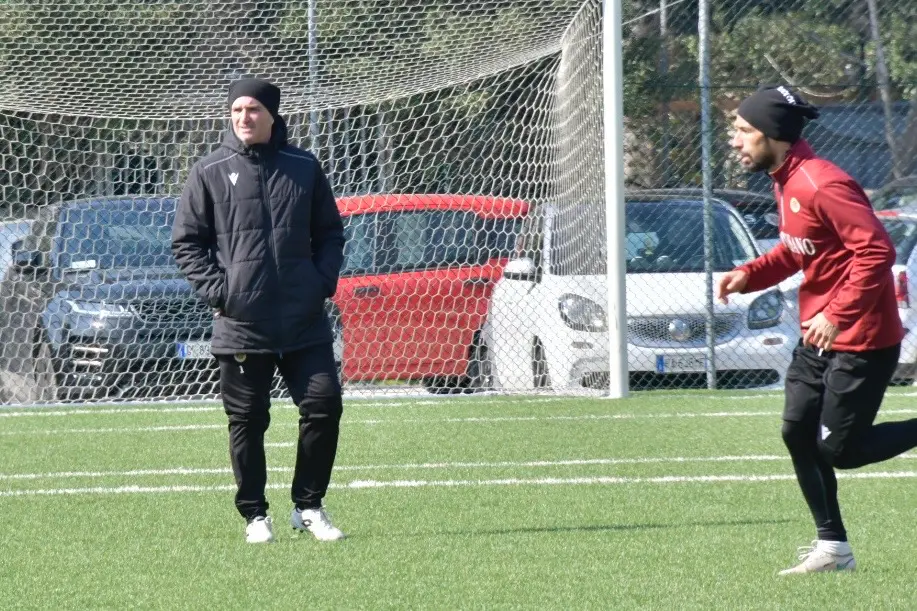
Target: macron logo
[[233, 178], [825, 432]]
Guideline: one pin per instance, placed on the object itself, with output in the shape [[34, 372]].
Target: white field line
[[359, 402], [456, 420], [377, 484], [90, 410], [84, 410], [192, 471]]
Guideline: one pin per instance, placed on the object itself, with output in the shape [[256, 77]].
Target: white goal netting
[[443, 126]]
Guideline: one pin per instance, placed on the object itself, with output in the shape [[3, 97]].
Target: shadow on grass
[[593, 528]]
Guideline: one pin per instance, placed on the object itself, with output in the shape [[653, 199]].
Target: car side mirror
[[28, 260], [521, 269]]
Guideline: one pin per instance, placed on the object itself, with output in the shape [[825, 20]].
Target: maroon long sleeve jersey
[[829, 231]]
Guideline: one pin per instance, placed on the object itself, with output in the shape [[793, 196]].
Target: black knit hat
[[777, 112], [266, 93]]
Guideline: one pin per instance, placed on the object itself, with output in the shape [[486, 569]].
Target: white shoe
[[816, 559], [316, 522], [259, 530]]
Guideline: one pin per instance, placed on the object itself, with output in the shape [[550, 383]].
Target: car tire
[[479, 375], [35, 382], [541, 378], [337, 333], [443, 385]]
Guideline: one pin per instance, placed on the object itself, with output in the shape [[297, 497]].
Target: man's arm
[[842, 207], [327, 232], [770, 269], [192, 242]]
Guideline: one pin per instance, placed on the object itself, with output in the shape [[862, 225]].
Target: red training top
[[828, 230]]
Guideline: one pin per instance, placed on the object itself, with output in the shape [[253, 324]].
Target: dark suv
[[94, 307]]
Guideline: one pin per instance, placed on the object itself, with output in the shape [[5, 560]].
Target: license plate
[[680, 363], [193, 350]]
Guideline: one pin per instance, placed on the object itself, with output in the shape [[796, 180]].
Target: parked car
[[901, 225], [10, 233], [94, 306], [899, 193], [416, 283], [548, 322]]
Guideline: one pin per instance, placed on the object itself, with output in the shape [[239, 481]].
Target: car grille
[[171, 312], [653, 331]]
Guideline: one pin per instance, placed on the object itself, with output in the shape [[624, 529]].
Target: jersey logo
[[235, 176], [794, 204]]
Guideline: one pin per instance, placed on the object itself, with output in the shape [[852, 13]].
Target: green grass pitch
[[660, 501]]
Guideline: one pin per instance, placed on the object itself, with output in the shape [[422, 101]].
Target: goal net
[[455, 135]]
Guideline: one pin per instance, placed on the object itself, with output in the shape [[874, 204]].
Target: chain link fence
[[465, 145]]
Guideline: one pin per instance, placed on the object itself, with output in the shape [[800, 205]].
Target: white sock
[[838, 548]]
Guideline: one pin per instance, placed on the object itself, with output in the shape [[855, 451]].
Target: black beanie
[[777, 112], [263, 91]]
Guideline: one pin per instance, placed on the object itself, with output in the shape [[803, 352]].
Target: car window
[[10, 234], [904, 236], [498, 240], [530, 238], [428, 239], [762, 221], [669, 237], [359, 244], [116, 234], [904, 197]]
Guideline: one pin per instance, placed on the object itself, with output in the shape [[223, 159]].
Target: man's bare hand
[[731, 282], [820, 332]]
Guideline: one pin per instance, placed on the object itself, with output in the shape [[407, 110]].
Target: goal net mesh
[[443, 125]]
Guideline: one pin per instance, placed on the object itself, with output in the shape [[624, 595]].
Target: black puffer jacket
[[259, 237]]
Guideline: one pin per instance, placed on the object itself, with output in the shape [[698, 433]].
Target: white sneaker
[[316, 522], [817, 559], [259, 530]]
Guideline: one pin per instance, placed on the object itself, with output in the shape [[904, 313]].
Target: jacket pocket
[[315, 289], [230, 295]]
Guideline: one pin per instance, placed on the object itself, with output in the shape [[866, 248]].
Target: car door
[[433, 294], [359, 299]]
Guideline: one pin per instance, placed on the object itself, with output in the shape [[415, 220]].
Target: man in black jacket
[[259, 237]]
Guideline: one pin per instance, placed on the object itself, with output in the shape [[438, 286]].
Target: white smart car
[[547, 323]]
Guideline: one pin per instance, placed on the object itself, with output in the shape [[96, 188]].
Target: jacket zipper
[[272, 242]]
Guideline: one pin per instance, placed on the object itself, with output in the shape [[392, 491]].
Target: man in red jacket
[[852, 332]]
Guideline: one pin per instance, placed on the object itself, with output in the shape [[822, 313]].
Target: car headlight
[[582, 314], [99, 309], [766, 310]]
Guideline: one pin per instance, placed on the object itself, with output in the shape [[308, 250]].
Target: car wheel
[[540, 376], [479, 375], [337, 330], [35, 382], [443, 385]]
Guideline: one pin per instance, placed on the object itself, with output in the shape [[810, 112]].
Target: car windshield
[[660, 237], [900, 197], [423, 239], [904, 235], [116, 234]]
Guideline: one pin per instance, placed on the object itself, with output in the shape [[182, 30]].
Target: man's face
[[755, 150], [251, 121]]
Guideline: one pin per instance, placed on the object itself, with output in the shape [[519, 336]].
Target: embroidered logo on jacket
[[233, 178]]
